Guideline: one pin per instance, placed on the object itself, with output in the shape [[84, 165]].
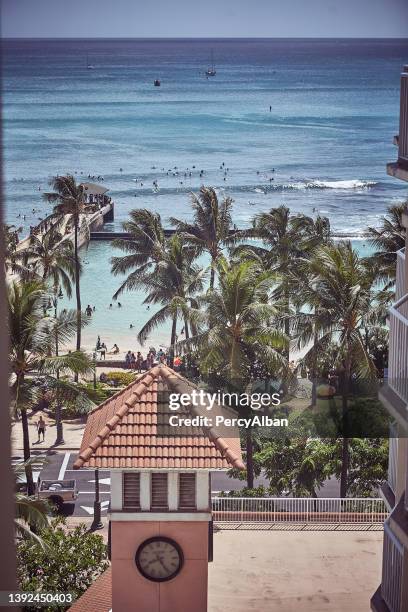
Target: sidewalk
[[73, 430]]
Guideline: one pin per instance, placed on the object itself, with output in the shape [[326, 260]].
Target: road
[[59, 465]]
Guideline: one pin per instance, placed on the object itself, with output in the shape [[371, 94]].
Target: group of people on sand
[[102, 349], [138, 362]]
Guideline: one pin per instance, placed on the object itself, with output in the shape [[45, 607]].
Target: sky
[[204, 18]]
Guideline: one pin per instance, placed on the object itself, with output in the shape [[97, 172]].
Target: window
[[187, 491], [131, 491], [159, 492]]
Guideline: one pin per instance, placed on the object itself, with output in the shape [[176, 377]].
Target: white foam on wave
[[351, 184]]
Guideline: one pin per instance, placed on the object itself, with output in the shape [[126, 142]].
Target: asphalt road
[[59, 465]]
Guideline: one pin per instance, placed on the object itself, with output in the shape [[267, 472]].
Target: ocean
[[306, 123]]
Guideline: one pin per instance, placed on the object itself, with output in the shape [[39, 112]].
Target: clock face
[[159, 559]]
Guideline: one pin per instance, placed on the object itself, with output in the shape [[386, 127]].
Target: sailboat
[[210, 72], [88, 65]]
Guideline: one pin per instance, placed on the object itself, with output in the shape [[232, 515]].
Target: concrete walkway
[[73, 430], [294, 571]]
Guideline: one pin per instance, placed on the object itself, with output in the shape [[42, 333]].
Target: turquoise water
[[113, 324], [317, 117]]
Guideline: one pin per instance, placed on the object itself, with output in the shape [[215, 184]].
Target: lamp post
[[97, 522]]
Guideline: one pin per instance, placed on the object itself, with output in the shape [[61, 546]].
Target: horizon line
[[193, 38]]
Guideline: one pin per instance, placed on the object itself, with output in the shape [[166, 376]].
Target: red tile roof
[[98, 597], [130, 430]]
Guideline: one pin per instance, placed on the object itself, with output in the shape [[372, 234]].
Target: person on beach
[[103, 350], [132, 361], [98, 343], [115, 349], [139, 361], [41, 427], [88, 311], [127, 359]]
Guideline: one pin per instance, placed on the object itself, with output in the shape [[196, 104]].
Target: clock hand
[[159, 559]]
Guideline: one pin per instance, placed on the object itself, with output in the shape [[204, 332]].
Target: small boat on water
[[211, 71], [157, 83], [88, 65]]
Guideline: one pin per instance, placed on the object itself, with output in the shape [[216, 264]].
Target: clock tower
[[160, 512]]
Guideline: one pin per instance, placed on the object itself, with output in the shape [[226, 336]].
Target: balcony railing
[[400, 276], [403, 128], [398, 353], [391, 583], [392, 460], [298, 510]]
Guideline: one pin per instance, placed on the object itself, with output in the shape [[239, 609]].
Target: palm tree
[[31, 335], [315, 233], [286, 238], [210, 230], [144, 251], [240, 343], [341, 299], [52, 258], [31, 513], [173, 284], [388, 238], [13, 258], [70, 206]]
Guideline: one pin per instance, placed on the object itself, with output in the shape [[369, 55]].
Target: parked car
[[57, 492]]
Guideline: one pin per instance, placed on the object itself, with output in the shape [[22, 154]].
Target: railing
[[398, 352], [403, 128], [298, 510], [392, 459], [392, 570], [400, 275]]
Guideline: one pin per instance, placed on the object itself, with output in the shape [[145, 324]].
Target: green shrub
[[120, 379], [69, 562], [100, 394], [255, 492]]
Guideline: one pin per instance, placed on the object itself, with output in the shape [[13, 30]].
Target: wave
[[355, 184], [351, 184]]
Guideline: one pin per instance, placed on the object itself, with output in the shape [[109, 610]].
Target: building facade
[[160, 511], [392, 594]]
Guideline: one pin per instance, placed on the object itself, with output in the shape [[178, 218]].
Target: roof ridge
[[120, 392]]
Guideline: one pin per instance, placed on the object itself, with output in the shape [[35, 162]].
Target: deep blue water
[[334, 111]]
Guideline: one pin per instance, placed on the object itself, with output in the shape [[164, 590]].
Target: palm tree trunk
[[186, 330], [26, 438], [59, 424], [27, 453], [287, 322], [314, 370], [212, 275], [345, 451], [249, 459], [173, 339], [77, 290]]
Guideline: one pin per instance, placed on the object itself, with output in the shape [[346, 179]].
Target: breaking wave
[[352, 184], [356, 185]]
